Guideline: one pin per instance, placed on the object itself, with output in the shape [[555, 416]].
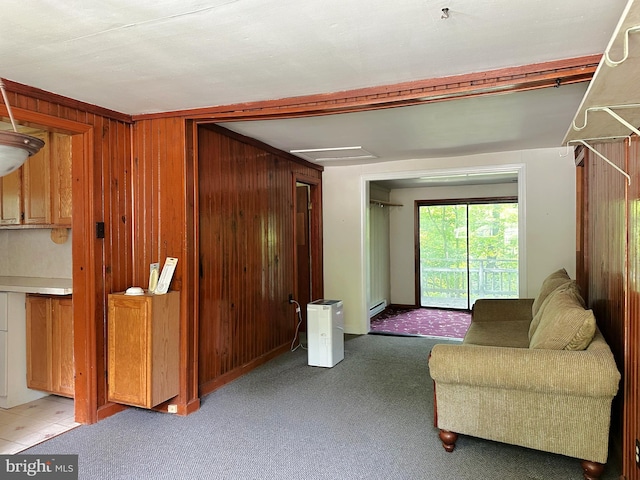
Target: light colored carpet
[[369, 417]]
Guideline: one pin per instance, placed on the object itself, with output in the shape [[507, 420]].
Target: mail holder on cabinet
[[144, 349]]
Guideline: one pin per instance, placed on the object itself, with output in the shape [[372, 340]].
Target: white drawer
[[4, 311]]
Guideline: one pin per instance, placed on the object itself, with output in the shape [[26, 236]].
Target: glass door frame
[[452, 202]]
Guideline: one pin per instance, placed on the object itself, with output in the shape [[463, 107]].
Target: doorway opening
[[466, 249], [43, 402], [304, 278]]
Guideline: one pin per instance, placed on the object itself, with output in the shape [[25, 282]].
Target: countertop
[[45, 286]]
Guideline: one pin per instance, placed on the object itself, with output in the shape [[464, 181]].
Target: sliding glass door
[[467, 250]]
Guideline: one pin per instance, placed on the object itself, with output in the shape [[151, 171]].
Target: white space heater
[[325, 333]]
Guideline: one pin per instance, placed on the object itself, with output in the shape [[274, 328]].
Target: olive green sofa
[[531, 372]]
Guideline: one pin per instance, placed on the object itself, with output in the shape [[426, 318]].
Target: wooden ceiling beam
[[501, 81]]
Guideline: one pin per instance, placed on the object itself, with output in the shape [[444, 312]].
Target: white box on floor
[[325, 333]]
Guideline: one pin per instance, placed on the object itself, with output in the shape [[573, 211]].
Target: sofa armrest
[[583, 373], [502, 309]]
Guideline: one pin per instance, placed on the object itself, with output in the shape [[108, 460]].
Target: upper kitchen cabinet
[[36, 185], [60, 171], [39, 193]]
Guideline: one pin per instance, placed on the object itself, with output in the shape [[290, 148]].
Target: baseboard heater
[[377, 308]]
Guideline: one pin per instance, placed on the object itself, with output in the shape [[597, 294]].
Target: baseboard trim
[[228, 377], [402, 306], [109, 409], [377, 308]]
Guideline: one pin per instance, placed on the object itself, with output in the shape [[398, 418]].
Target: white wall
[[402, 225], [378, 245], [30, 252], [547, 201]]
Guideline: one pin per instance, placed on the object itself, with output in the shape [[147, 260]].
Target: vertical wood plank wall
[[611, 275], [632, 323], [139, 179], [163, 227], [247, 249], [606, 240], [101, 178]]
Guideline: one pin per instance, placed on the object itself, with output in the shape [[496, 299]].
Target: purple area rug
[[422, 321]]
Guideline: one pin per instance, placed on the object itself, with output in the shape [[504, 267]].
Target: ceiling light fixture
[[333, 153], [15, 147]]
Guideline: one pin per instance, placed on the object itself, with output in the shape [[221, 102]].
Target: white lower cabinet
[[4, 367]]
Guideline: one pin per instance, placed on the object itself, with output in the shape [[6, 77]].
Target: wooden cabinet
[[36, 186], [61, 179], [50, 344], [39, 363], [11, 198], [144, 348], [39, 192], [62, 375]]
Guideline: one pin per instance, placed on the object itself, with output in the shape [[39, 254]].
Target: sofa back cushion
[[553, 281], [564, 323], [575, 293]]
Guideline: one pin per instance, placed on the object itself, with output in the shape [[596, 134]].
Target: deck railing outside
[[444, 285]]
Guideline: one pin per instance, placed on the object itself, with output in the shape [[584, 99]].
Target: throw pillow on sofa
[[573, 286], [553, 281], [564, 322]]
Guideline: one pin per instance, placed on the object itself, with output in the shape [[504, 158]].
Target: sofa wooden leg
[[591, 470], [448, 440]]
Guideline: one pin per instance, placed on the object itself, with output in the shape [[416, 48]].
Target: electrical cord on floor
[[293, 342]]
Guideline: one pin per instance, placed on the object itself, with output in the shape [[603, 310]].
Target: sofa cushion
[[553, 281], [564, 322], [511, 333], [575, 291]]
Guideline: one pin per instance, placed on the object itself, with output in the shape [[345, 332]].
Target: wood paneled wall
[[247, 250], [609, 211], [163, 210], [140, 179], [632, 323], [606, 243], [101, 143]]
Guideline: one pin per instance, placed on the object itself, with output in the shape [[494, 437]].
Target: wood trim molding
[[84, 281], [258, 144], [109, 409], [228, 377], [54, 98], [512, 79], [46, 122]]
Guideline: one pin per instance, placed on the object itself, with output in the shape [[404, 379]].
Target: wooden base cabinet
[[144, 348], [50, 344], [63, 372]]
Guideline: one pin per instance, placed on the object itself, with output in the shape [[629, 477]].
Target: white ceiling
[[149, 56], [533, 119]]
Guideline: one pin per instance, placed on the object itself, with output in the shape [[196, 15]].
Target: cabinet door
[[36, 189], [11, 198], [61, 179], [39, 343], [63, 378], [129, 349]]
